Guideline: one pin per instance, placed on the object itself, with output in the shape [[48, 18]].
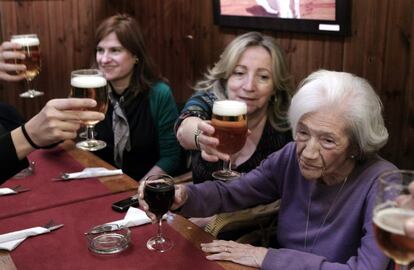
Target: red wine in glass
[[159, 194]]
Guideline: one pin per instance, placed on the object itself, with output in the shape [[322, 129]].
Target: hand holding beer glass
[[31, 48], [90, 83], [394, 206], [229, 120]]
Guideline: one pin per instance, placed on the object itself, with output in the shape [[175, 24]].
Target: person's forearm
[[23, 148], [185, 133]]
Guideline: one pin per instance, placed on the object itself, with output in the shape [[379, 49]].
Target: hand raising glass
[[90, 83], [31, 48]]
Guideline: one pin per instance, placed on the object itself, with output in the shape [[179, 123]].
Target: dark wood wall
[[184, 41]]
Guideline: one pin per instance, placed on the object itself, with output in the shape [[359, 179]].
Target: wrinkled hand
[[60, 119], [235, 252], [208, 143], [180, 198], [7, 56]]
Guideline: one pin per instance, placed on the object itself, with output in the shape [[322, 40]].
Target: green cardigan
[[165, 113]]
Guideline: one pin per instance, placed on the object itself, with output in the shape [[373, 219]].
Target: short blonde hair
[[350, 96]]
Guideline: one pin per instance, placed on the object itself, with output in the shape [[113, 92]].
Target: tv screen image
[[310, 16]]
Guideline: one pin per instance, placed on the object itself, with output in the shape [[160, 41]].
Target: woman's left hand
[[235, 252]]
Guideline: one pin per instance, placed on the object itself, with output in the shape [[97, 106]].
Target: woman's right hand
[[8, 70], [60, 119], [180, 197], [208, 144]]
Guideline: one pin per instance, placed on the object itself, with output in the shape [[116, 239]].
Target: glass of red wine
[[159, 195]]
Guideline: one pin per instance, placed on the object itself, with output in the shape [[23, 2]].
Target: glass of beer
[[90, 83], [31, 48], [159, 194], [394, 206], [229, 120]]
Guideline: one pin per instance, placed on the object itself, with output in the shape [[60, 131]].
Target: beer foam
[[392, 219], [86, 81], [26, 41], [229, 108]]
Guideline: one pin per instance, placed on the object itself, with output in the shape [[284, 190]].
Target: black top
[[143, 136], [9, 163], [10, 118]]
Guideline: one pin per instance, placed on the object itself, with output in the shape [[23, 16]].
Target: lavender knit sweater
[[345, 241]]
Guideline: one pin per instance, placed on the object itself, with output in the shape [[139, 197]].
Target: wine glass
[[230, 123], [31, 48], [90, 83], [391, 210], [159, 195]]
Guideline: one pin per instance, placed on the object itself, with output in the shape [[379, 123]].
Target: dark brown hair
[[129, 35]]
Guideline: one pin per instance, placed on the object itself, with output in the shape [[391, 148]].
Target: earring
[[352, 156], [136, 60]]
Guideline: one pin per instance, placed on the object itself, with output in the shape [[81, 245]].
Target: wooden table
[[123, 183], [115, 183]]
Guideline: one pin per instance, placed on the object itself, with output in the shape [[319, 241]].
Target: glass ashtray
[[108, 238]]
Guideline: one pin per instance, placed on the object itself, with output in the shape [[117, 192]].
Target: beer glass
[[31, 48], [230, 123], [394, 205], [90, 83], [159, 194]]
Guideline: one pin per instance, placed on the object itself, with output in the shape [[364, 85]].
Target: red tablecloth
[[66, 248], [46, 193]]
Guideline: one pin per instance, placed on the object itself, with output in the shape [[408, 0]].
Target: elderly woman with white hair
[[326, 181]]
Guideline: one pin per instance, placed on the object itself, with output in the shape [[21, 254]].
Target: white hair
[[348, 96]]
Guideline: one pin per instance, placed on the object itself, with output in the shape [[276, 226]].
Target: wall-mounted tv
[[307, 16]]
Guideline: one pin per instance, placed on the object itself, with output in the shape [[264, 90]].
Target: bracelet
[[26, 135], [196, 138], [35, 146]]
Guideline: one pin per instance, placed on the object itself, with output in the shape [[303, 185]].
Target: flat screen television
[[307, 16]]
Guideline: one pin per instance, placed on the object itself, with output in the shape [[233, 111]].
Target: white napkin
[[134, 217], [92, 172], [10, 241], [5, 191]]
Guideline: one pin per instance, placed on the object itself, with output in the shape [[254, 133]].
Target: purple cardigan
[[346, 240]]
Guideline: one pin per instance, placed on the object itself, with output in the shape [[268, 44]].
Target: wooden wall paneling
[[61, 48], [179, 26], [406, 159], [395, 93], [354, 44], [333, 53], [297, 55]]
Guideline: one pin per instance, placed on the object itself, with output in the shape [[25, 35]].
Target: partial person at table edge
[[326, 181], [58, 120]]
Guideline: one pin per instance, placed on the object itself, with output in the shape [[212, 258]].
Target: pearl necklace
[[325, 218]]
